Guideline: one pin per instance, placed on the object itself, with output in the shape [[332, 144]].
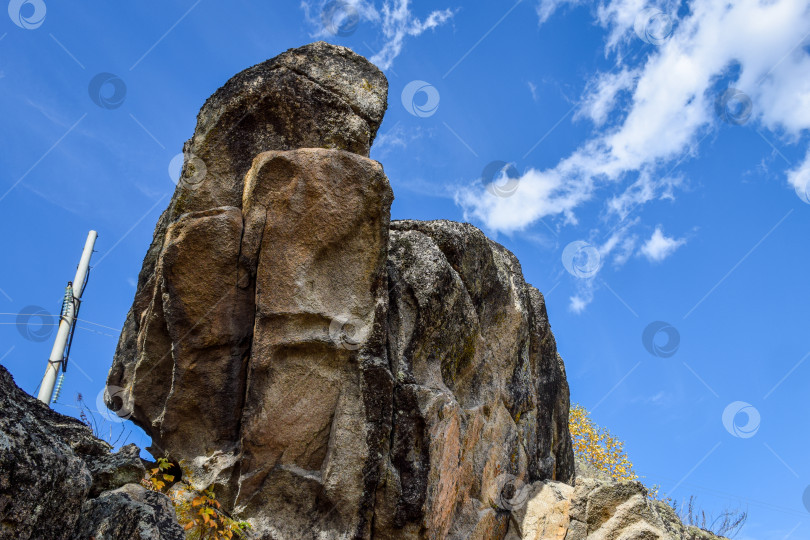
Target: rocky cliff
[[335, 375]]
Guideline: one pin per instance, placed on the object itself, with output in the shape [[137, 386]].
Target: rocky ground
[[59, 482], [595, 508]]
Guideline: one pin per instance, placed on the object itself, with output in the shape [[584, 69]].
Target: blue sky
[[654, 174]]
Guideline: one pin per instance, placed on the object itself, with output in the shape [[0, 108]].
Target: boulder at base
[[56, 477]]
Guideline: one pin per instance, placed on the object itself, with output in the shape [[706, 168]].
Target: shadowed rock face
[[59, 482], [481, 400], [334, 374]]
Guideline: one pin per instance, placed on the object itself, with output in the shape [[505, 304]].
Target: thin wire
[[43, 324], [101, 325], [43, 315]]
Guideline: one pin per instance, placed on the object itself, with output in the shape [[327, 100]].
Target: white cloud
[[399, 22], [396, 137], [533, 90], [660, 246], [546, 8], [314, 14], [671, 105], [618, 16], [600, 97], [578, 302], [799, 178], [539, 194], [626, 249], [621, 243], [645, 188], [394, 17]]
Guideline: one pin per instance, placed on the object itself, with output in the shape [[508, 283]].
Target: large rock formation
[[56, 477], [334, 375]]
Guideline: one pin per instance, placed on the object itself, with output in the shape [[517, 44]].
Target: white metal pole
[[66, 322]]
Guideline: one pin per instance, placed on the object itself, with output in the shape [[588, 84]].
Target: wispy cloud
[[394, 18], [532, 89], [617, 249], [660, 246], [398, 23], [580, 301], [546, 8], [675, 93], [314, 12], [600, 97], [799, 178], [398, 137]]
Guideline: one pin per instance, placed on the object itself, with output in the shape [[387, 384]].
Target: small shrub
[[199, 512], [596, 446], [156, 478]]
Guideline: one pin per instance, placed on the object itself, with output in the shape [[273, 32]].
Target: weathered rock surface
[[52, 467], [110, 471], [316, 96], [331, 377], [129, 512], [596, 508], [481, 398]]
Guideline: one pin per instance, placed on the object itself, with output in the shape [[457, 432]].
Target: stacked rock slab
[[331, 376]]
